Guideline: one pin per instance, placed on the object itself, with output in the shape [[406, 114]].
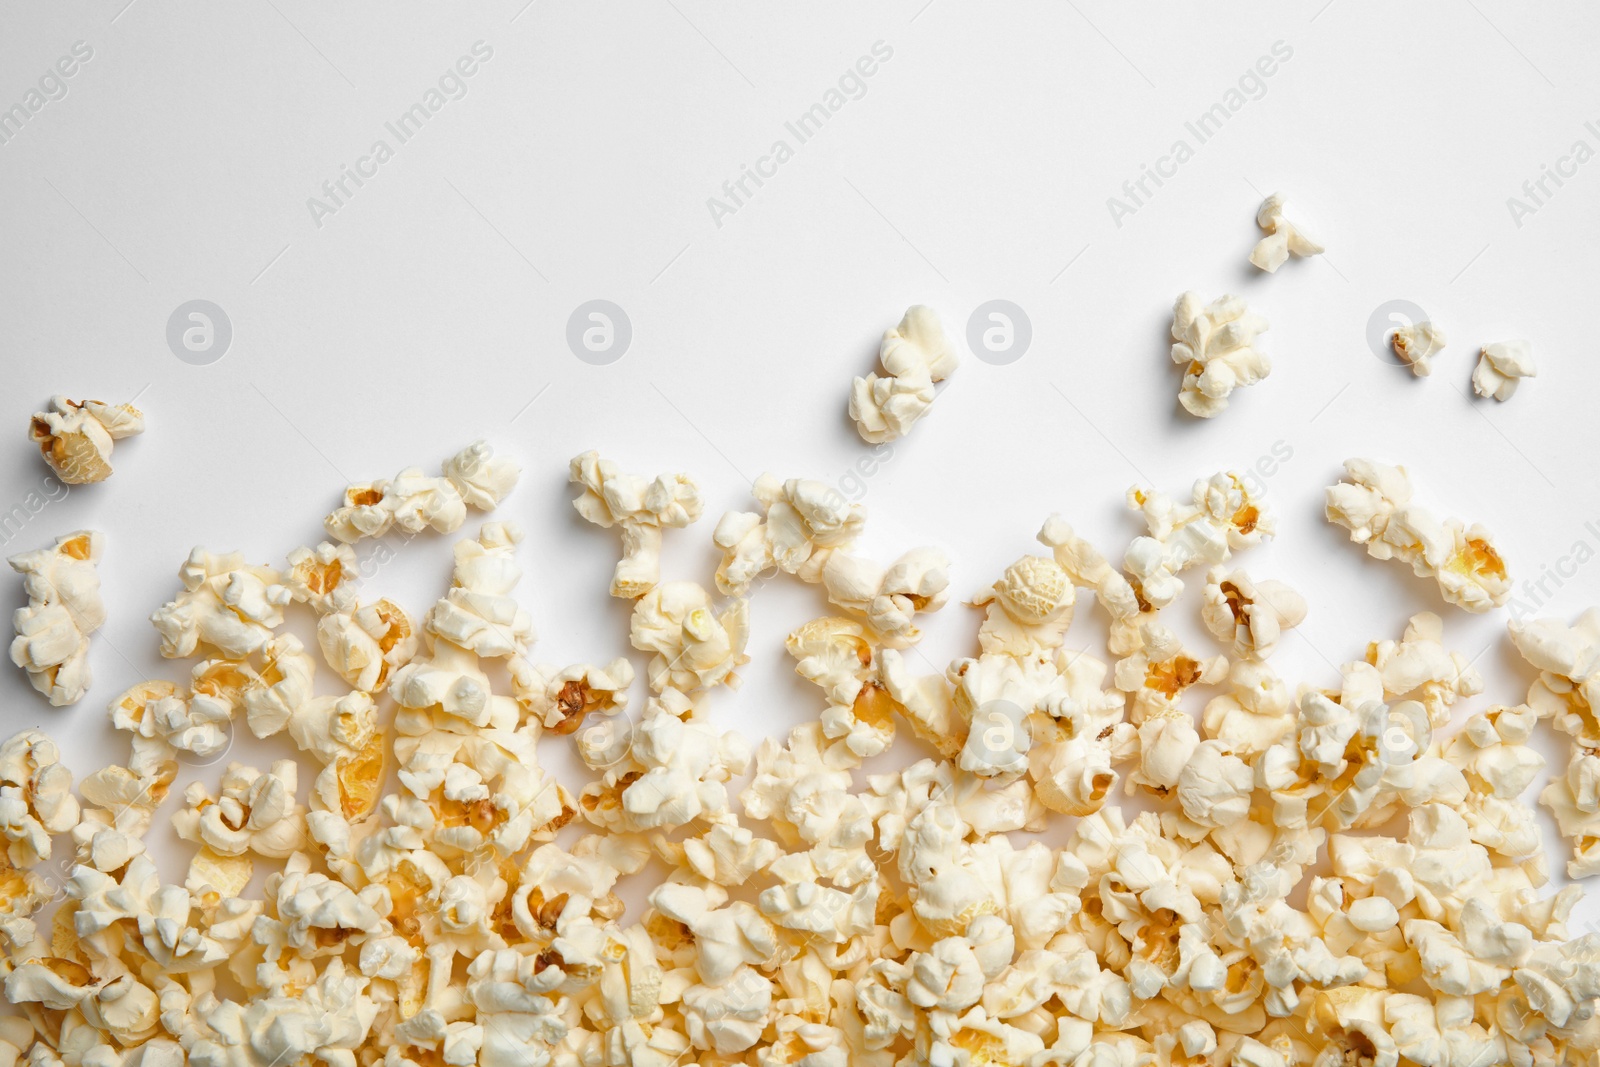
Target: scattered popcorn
[[412, 502], [1417, 344], [915, 355], [1501, 368], [1283, 237], [1215, 344], [641, 508], [64, 608], [1315, 875], [76, 437], [1373, 502]]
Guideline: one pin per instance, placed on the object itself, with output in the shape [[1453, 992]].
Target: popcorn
[[64, 608], [76, 437], [1215, 344], [412, 502], [225, 604], [1501, 368], [641, 508], [1373, 502], [1249, 616], [365, 645], [1283, 237], [1223, 518], [801, 524], [915, 355], [1416, 345], [694, 648], [802, 913]]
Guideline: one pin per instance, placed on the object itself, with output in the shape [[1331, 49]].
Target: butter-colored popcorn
[[559, 699], [225, 604], [1028, 609], [1158, 674], [801, 524], [366, 645], [253, 812], [1216, 346], [1416, 344], [694, 646], [64, 608], [412, 501], [1373, 502], [1574, 799], [641, 508], [889, 598], [839, 656], [1501, 368], [915, 356], [1249, 616], [323, 577], [1223, 517], [75, 437], [36, 798], [1568, 660], [1282, 237]]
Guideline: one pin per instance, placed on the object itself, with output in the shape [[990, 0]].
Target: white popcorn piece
[[76, 437], [1249, 616], [1416, 344], [1373, 502], [225, 605], [412, 502], [838, 655], [1028, 609], [1282, 237], [64, 608], [323, 577], [915, 356], [479, 613], [1162, 670], [253, 812], [1501, 368], [1568, 660], [559, 699], [366, 645], [36, 798], [641, 508], [1224, 517], [1216, 345], [889, 598], [1418, 667], [695, 647], [801, 524]]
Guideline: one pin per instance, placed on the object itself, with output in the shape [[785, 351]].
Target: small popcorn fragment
[[412, 501], [1416, 344], [1501, 368], [915, 355], [64, 608], [1373, 502], [1283, 237], [75, 437], [1215, 344], [642, 508]]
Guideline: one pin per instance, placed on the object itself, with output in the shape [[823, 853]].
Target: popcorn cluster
[[1373, 502], [1215, 344], [1317, 874]]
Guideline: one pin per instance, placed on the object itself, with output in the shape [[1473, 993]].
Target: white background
[[431, 308]]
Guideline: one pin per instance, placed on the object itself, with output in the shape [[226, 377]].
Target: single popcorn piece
[[915, 355], [802, 523], [1249, 616], [412, 502], [323, 577], [1373, 502], [695, 647], [1416, 344], [367, 644], [1216, 345], [1282, 237], [1501, 368], [75, 437], [64, 608], [889, 598], [640, 508]]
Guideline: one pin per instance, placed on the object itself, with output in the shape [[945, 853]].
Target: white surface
[[431, 308]]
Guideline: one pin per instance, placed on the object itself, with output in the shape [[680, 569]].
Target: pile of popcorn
[[1316, 875]]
